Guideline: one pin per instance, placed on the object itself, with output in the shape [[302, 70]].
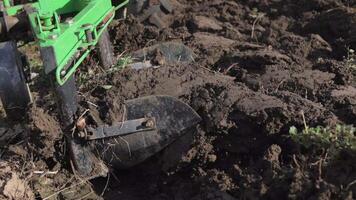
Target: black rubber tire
[[106, 50], [14, 92]]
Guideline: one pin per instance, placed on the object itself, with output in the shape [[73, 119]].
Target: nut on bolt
[[70, 21], [53, 36], [150, 123]]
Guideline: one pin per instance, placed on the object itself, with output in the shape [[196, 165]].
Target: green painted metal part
[[7, 3], [70, 29]]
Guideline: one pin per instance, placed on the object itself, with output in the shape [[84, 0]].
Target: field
[[263, 75]]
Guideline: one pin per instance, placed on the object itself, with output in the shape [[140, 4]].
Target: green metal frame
[[70, 28]]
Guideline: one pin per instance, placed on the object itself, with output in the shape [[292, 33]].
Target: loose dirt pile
[[260, 67]]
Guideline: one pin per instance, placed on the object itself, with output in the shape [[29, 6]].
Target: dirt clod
[[206, 24]]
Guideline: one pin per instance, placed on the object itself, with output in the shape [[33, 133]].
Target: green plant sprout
[[351, 58], [122, 63], [333, 138]]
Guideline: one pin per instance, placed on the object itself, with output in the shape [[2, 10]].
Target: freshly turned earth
[[258, 65]]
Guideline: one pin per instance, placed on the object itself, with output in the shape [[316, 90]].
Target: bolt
[[53, 36], [150, 123], [70, 21], [63, 72]]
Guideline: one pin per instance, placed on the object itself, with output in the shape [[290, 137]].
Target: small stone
[[81, 124]]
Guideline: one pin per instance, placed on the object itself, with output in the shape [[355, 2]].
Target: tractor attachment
[[151, 123], [66, 32], [14, 91]]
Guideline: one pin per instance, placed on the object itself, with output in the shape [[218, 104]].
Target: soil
[[260, 67]]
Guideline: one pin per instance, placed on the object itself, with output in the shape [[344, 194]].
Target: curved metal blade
[[14, 92], [172, 116]]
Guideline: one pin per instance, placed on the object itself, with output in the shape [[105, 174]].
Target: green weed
[[350, 58], [122, 63], [333, 139]]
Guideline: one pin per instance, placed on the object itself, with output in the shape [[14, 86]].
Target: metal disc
[[14, 91], [172, 116]]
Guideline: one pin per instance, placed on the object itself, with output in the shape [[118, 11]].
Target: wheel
[[14, 92], [106, 53]]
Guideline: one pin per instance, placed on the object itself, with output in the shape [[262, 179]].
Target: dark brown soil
[[260, 67], [252, 78]]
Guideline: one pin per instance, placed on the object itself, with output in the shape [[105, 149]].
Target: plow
[[66, 32]]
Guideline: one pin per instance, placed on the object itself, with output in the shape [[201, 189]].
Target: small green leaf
[[293, 130]]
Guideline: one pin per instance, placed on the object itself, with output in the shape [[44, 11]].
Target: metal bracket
[[123, 128]]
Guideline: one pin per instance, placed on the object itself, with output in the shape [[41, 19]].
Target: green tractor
[[66, 32]]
